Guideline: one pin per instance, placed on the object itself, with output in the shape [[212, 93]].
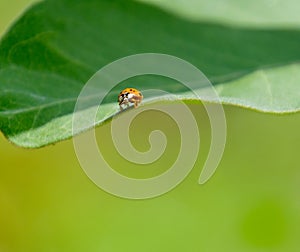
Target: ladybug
[[130, 95]]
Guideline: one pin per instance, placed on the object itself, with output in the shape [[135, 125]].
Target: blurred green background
[[252, 203]]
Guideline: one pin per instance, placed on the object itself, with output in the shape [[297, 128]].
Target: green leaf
[[56, 46], [260, 13]]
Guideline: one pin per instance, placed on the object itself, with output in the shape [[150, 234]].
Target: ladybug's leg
[[138, 101], [135, 102]]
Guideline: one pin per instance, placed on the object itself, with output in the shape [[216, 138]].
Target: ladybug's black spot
[[130, 89]]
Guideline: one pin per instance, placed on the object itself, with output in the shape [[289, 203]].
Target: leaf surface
[[56, 46]]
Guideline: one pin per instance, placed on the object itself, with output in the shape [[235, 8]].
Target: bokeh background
[[252, 203]]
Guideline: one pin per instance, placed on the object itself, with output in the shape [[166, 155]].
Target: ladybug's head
[[123, 98]]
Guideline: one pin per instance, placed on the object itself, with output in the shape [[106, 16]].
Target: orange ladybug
[[130, 95]]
